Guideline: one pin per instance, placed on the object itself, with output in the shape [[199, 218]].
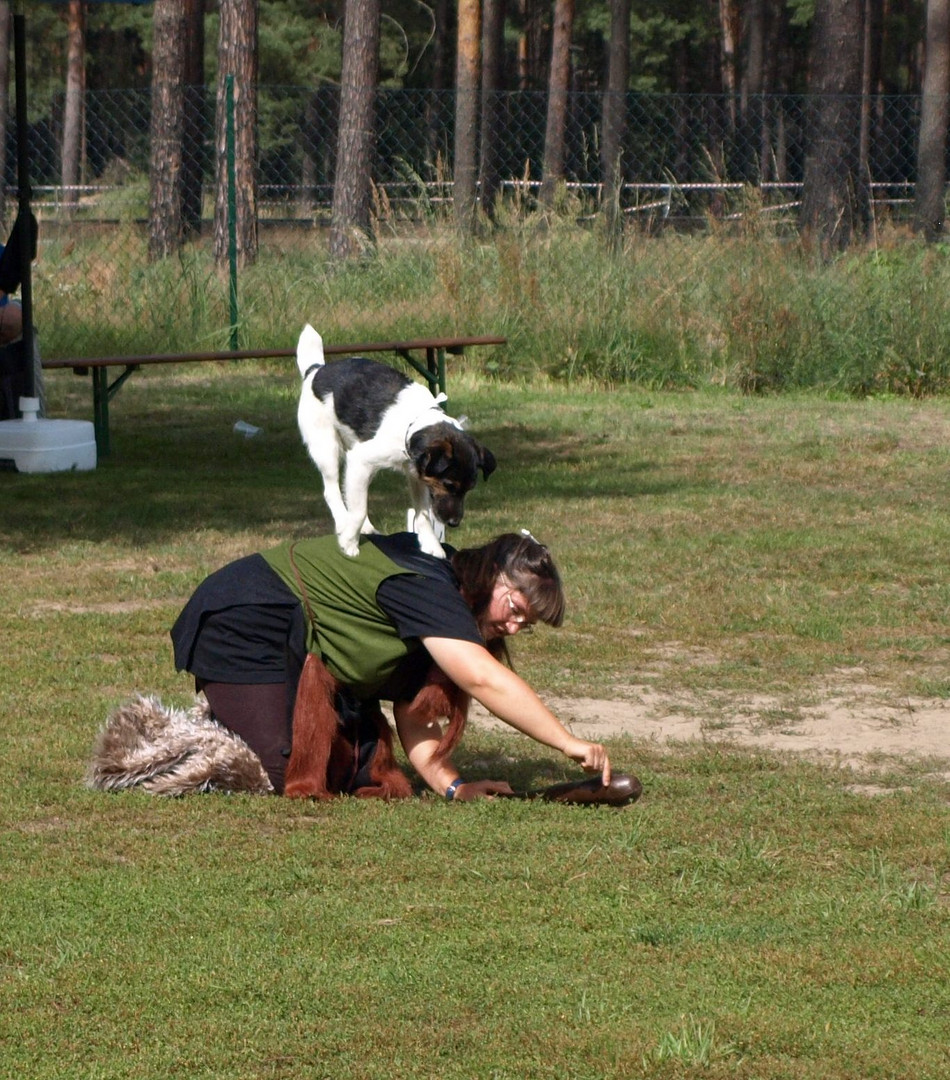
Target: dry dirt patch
[[854, 726]]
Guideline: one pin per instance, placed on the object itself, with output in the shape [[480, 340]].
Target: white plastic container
[[32, 445]]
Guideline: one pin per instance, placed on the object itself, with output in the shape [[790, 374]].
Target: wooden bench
[[432, 368]]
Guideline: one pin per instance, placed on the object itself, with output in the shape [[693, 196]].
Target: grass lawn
[[751, 917]]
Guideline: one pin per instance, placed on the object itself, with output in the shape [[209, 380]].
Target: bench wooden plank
[[433, 370], [449, 344]]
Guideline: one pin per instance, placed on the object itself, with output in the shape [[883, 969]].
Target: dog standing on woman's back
[[375, 418]]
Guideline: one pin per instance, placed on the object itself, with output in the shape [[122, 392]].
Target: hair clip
[[526, 533]]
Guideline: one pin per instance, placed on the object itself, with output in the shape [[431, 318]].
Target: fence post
[[232, 212], [24, 194]]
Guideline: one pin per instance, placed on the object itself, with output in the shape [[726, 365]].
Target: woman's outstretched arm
[[505, 694]]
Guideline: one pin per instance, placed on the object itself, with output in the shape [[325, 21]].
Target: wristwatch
[[453, 787]]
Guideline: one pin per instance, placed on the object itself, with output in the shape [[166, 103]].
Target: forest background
[[789, 112]]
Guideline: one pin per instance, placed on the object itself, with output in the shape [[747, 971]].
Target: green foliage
[[300, 43]]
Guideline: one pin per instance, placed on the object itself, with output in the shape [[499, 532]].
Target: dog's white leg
[[319, 436], [428, 541], [424, 523], [359, 473], [326, 457], [332, 495]]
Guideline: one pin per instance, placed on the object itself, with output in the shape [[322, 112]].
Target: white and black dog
[[376, 418]]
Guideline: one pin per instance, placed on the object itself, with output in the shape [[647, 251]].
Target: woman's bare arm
[[505, 694], [420, 741]]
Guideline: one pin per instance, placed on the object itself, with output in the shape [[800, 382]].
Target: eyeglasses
[[516, 615]]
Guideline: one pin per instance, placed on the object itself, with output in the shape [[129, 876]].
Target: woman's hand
[[481, 789], [591, 756]]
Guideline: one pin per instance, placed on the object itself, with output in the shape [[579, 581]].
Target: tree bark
[[308, 175], [753, 135], [74, 113], [165, 135], [930, 202], [531, 59], [237, 57], [350, 226], [728, 22], [493, 43], [6, 35], [835, 196], [467, 78], [613, 124], [193, 132], [558, 85], [443, 59]]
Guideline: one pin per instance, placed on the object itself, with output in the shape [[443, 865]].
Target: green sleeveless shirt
[[352, 636]]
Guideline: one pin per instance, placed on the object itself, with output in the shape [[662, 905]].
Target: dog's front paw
[[349, 545], [431, 546]]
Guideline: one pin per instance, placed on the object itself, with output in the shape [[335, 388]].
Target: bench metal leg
[[102, 393], [435, 364], [434, 369], [100, 410]]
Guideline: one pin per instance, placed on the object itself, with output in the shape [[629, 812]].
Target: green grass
[[752, 917]]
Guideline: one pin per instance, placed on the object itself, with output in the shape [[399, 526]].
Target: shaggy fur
[[325, 754], [168, 751]]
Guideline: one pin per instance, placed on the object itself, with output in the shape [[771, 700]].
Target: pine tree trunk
[[6, 35], [443, 76], [493, 43], [467, 79], [443, 57], [164, 203], [614, 122], [930, 203], [728, 24], [836, 195], [531, 58], [193, 133], [73, 118], [752, 135], [237, 57], [350, 225], [308, 173], [559, 81]]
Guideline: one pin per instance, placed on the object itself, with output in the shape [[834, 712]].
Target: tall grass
[[747, 309]]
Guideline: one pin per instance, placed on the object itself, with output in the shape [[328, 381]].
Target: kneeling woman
[[352, 631]]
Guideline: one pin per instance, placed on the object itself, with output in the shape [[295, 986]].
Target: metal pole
[[24, 195], [232, 211]]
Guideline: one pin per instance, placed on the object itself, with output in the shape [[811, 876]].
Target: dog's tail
[[309, 351]]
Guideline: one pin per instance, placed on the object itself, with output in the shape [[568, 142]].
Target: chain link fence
[[684, 158]]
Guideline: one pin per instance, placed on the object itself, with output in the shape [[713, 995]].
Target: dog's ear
[[486, 460]]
